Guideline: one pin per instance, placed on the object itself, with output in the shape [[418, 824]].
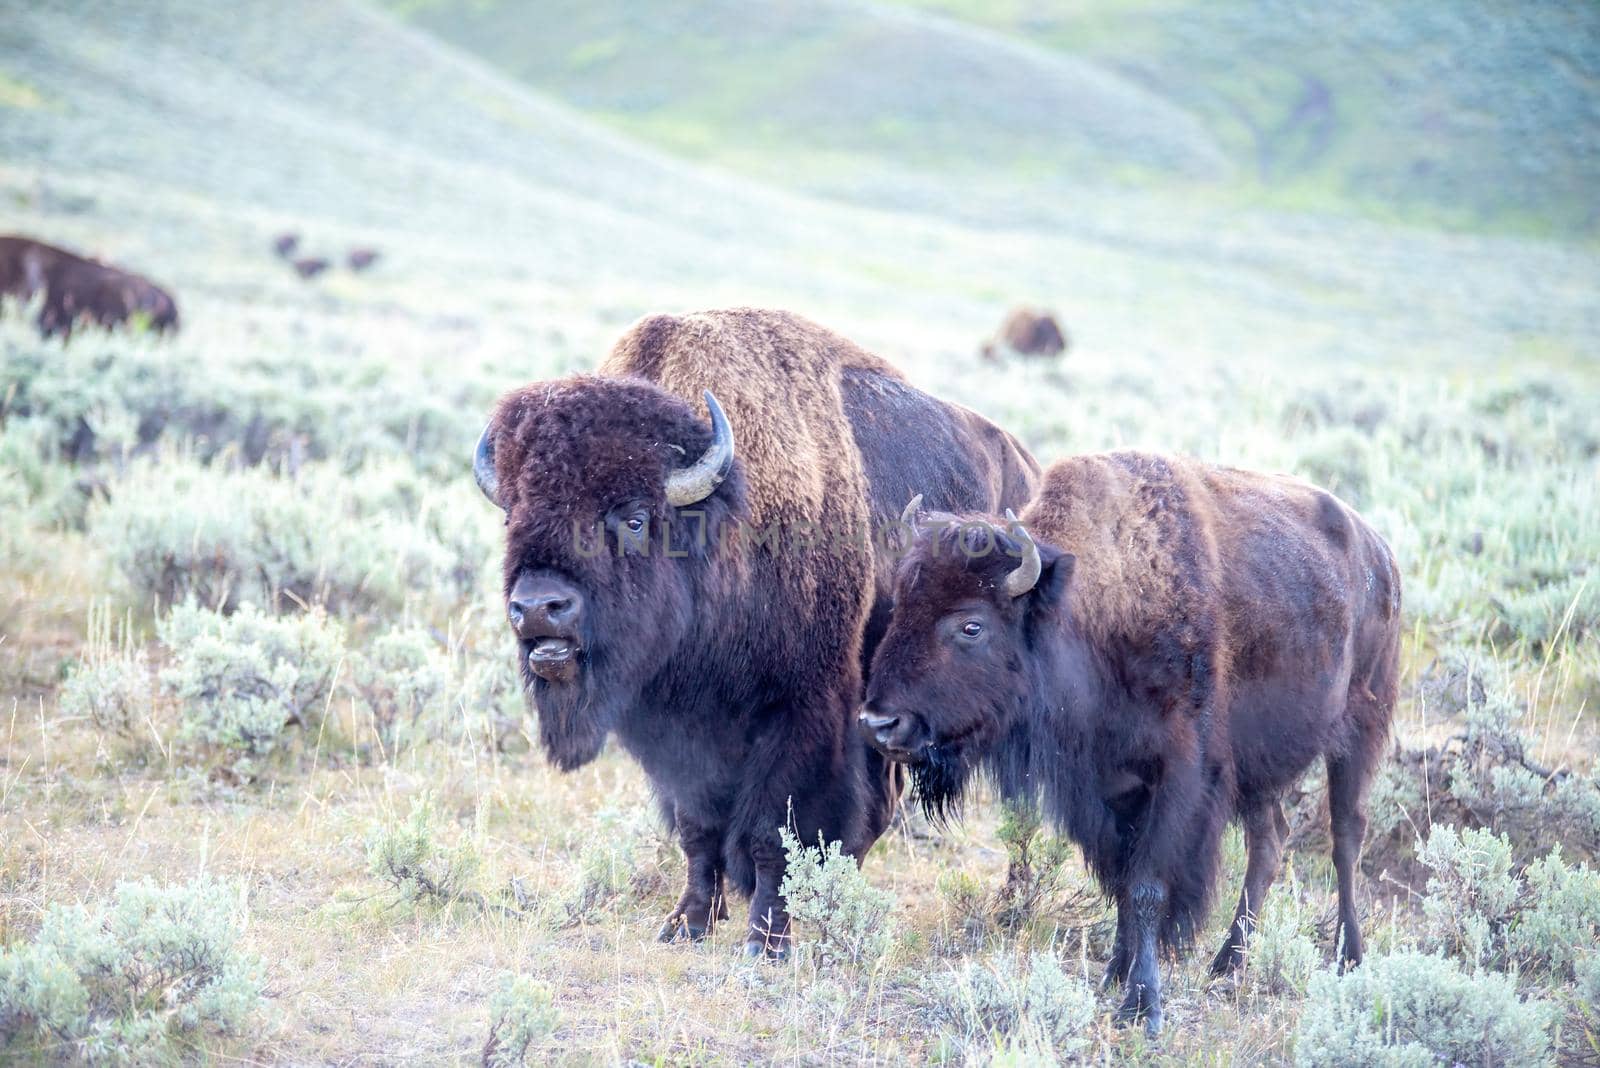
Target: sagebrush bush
[[522, 1014], [1472, 892], [1560, 920], [405, 682], [1412, 1009], [243, 680], [609, 863], [1037, 872], [843, 918], [179, 529], [1283, 953], [133, 982], [414, 859], [1001, 1002], [112, 689]]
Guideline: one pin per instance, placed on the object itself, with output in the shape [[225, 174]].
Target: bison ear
[[1048, 595]]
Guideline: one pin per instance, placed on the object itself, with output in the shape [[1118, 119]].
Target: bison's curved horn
[[692, 484], [1026, 575], [908, 518], [483, 467]]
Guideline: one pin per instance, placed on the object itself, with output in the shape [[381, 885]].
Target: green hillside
[[1472, 115]]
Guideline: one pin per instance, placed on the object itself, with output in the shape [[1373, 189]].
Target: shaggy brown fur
[[1197, 636], [1028, 332], [731, 669], [78, 290]]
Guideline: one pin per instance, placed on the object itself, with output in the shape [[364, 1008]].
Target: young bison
[[1176, 647]]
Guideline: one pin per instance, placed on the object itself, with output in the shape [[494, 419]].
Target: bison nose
[[876, 723], [543, 609]]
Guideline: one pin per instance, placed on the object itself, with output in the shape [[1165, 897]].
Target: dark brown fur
[[731, 672], [309, 266], [78, 290], [1197, 637], [1028, 332]]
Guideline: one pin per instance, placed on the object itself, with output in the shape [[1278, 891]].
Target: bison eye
[[972, 628], [635, 522]]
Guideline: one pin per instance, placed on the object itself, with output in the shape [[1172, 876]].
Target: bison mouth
[[553, 658]]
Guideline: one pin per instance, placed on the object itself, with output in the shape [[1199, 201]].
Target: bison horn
[[692, 484], [1026, 575], [483, 467], [908, 518]]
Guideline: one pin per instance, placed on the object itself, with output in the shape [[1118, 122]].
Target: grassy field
[[344, 778]]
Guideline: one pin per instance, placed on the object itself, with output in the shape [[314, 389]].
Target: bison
[[77, 289], [1028, 332], [1159, 646], [360, 259], [712, 606], [309, 267], [285, 244]]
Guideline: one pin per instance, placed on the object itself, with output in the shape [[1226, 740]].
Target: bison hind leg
[[1265, 833]]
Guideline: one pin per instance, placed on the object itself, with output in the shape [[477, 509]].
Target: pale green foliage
[[404, 679], [1036, 869], [999, 1002], [131, 981], [112, 690], [179, 529], [1283, 952], [413, 858], [842, 918], [522, 1015], [1588, 985], [1416, 1010], [1471, 891], [611, 859], [1560, 921], [241, 680]]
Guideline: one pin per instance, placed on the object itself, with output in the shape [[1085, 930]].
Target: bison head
[[955, 671], [615, 494]]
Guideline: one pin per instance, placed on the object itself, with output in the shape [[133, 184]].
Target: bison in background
[[710, 604], [78, 290], [284, 245], [308, 267], [1027, 332], [360, 259], [1160, 646]]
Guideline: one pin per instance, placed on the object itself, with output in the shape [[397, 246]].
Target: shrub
[[848, 919], [1472, 892], [522, 1014], [243, 679], [611, 860], [111, 689], [1561, 919], [1283, 951], [1415, 1009], [1036, 868], [1001, 1004], [404, 680], [374, 539], [156, 970], [411, 857]]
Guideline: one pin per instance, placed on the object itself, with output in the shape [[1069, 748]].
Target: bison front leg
[[703, 902], [1145, 902], [769, 934]]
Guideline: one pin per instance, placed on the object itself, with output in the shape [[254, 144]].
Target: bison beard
[[730, 673], [1210, 634]]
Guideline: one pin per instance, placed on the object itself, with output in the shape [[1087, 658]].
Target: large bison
[[78, 290], [712, 606], [1158, 646]]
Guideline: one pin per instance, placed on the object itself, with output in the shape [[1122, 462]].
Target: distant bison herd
[[75, 291], [707, 559]]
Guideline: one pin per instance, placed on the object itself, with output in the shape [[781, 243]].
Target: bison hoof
[[761, 948], [1227, 961], [1140, 1004], [678, 929]]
